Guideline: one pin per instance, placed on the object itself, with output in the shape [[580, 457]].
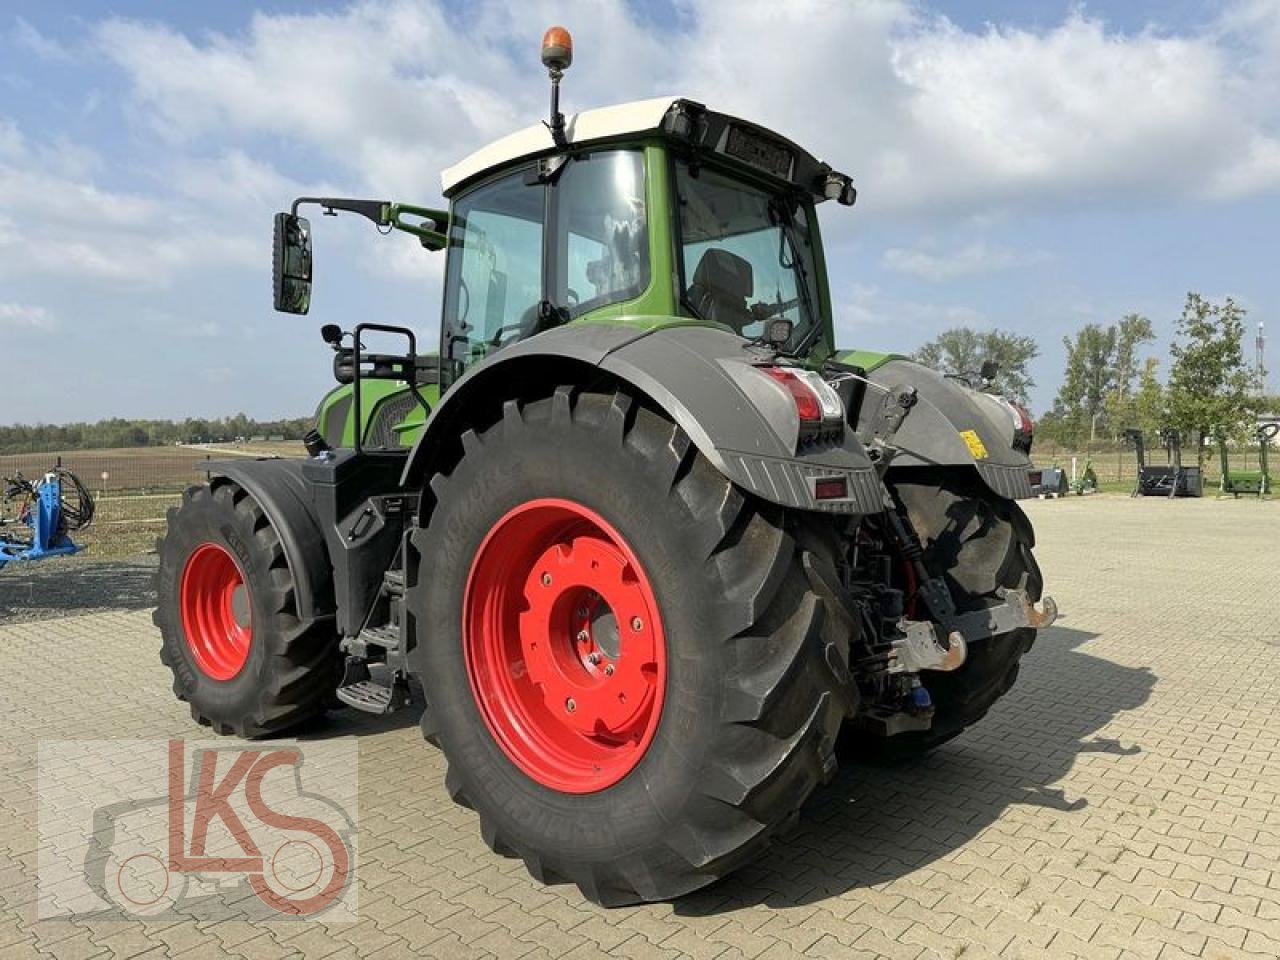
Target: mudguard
[[951, 425], [285, 497], [701, 376]]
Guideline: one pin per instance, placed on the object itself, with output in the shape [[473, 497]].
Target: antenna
[[557, 55]]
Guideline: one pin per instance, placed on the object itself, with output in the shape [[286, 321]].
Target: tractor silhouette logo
[[235, 834]]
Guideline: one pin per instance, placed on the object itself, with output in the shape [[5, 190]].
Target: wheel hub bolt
[[570, 705], [608, 669], [593, 659], [583, 611], [546, 579], [583, 636], [636, 623]]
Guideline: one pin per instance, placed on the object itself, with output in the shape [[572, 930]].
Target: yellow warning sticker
[[974, 443]]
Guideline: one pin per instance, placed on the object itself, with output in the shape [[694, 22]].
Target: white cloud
[[33, 40], [928, 116], [54, 220], [866, 306], [978, 257], [24, 316]]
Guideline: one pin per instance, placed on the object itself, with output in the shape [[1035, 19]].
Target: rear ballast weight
[[657, 551]]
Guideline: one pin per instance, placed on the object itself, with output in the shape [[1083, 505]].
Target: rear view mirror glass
[[291, 263]]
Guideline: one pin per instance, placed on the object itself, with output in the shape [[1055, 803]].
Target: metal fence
[[133, 489], [140, 470], [1115, 466]]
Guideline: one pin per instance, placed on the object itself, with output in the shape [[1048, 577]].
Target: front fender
[[700, 376], [285, 497], [951, 425]]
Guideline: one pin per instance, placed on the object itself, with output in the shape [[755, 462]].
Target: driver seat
[[721, 285]]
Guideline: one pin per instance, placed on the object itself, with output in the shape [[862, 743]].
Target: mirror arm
[[383, 213], [374, 210], [430, 232]]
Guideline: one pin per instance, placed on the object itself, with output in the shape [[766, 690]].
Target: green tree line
[[1111, 382], [120, 432]]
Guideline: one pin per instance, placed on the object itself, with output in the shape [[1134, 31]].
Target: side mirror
[[989, 370], [291, 263]]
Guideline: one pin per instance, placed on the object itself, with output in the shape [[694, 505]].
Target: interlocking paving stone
[[1121, 801]]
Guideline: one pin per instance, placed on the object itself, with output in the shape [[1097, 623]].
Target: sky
[[1026, 166]]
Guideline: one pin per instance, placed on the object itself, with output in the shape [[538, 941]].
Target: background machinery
[[657, 550], [48, 510], [1256, 482], [1168, 479]]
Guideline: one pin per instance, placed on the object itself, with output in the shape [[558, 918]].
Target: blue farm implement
[[49, 509]]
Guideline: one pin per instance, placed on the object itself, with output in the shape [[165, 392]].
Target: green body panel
[[334, 419], [868, 360]]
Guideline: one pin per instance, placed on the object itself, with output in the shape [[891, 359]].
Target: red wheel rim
[[215, 611], [564, 646]]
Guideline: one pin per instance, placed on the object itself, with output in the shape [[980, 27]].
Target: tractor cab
[[651, 214], [660, 212]]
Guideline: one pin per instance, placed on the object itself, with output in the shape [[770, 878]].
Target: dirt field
[[141, 483]]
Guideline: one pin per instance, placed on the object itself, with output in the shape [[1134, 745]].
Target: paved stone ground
[[1121, 801]]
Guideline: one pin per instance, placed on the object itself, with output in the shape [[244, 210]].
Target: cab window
[[595, 247], [493, 283], [602, 239]]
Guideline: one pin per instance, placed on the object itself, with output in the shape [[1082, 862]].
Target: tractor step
[[386, 636], [371, 696], [381, 695]]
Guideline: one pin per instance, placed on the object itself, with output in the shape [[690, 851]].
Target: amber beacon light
[[557, 49]]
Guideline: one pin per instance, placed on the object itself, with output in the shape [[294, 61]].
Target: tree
[[962, 350], [1090, 376], [1102, 365], [1149, 413], [1211, 388], [1133, 331]]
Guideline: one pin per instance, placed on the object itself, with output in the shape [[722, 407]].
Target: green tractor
[[659, 553]]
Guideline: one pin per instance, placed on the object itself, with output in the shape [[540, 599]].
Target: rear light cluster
[[817, 405], [1023, 427]]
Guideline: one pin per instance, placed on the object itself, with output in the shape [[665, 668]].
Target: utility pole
[[1259, 344]]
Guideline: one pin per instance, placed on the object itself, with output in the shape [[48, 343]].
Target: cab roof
[[685, 120], [602, 123]]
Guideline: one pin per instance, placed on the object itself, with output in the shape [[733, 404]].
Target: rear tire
[[231, 632], [750, 705], [977, 542]]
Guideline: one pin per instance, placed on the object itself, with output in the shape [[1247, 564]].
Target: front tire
[[231, 633], [706, 589]]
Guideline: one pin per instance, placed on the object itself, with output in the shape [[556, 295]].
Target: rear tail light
[[1023, 426], [818, 406]]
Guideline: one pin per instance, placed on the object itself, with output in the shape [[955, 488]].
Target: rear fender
[[951, 425], [700, 376]]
